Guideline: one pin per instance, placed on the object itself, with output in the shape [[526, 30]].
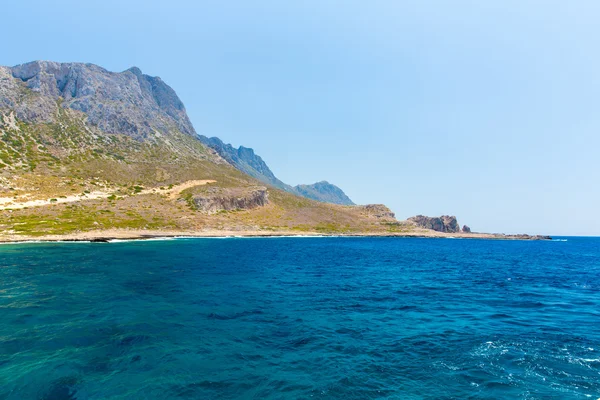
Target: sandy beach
[[121, 234]]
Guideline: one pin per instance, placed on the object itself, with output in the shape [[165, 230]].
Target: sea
[[301, 318]]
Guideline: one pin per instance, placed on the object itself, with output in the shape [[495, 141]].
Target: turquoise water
[[288, 318]]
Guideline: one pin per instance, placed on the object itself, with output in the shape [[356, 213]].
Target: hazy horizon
[[483, 111]]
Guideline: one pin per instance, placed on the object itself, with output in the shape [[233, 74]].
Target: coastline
[[121, 234]]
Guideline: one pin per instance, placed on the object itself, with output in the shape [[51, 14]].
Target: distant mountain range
[[244, 159]]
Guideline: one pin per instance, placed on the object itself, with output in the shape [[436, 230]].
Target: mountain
[[244, 159], [127, 102], [325, 192], [83, 149], [247, 161]]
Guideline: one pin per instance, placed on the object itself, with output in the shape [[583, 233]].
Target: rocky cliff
[[128, 102], [218, 199], [244, 159], [445, 223]]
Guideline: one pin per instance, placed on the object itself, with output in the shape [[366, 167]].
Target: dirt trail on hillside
[[11, 203], [175, 190]]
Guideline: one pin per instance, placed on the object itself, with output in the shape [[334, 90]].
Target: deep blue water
[[288, 318]]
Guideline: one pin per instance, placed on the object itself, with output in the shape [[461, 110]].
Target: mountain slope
[[84, 149], [247, 161]]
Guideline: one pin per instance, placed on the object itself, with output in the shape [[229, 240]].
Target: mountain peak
[[135, 70], [127, 102]]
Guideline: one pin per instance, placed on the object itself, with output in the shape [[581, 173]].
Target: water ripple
[[347, 318]]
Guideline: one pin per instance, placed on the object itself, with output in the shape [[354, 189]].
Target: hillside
[[85, 149]]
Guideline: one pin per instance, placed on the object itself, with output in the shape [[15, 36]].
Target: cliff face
[[445, 223], [217, 199], [128, 102], [245, 160]]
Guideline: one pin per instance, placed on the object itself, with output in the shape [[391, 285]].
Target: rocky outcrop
[[445, 223], [247, 161], [126, 102], [219, 199], [466, 229], [378, 211]]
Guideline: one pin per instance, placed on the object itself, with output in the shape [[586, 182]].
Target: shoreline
[[114, 235]]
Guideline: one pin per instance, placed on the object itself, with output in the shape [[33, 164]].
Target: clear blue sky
[[487, 110]]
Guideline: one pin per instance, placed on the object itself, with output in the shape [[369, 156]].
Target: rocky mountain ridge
[[244, 159], [127, 102], [247, 161]]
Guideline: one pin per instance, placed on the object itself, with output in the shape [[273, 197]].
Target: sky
[[487, 110]]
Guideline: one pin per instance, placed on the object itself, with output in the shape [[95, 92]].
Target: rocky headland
[[445, 223]]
